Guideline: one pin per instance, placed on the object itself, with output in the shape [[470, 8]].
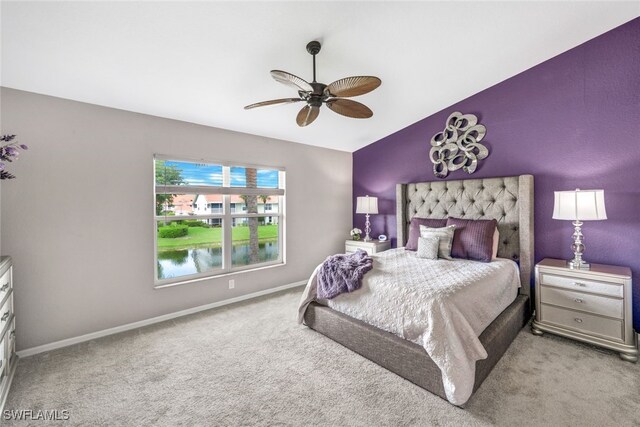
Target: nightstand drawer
[[351, 249], [579, 284], [372, 247], [582, 322], [604, 306]]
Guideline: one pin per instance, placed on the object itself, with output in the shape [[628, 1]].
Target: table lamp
[[367, 205], [578, 206]]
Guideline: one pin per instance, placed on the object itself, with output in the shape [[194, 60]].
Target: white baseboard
[[129, 326]]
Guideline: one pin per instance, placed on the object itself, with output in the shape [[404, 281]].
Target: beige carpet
[[251, 364]]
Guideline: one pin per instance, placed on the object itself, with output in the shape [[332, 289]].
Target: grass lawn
[[200, 236]]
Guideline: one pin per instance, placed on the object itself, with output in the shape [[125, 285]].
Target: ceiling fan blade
[[349, 108], [272, 102], [353, 86], [307, 115], [291, 80]]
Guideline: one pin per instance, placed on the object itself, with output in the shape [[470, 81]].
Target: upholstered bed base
[[410, 360]]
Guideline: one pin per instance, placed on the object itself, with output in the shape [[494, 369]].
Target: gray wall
[[78, 220]]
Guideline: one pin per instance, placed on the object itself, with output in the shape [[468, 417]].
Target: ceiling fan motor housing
[[317, 97]]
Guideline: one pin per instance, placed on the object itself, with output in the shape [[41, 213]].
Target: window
[[213, 219]]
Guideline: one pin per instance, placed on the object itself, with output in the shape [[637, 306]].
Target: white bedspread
[[441, 305]]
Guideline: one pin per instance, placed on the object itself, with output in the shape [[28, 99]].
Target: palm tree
[[252, 208], [264, 199]]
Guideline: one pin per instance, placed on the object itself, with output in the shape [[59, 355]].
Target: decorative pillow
[[414, 230], [445, 236], [428, 247], [496, 241], [473, 239]]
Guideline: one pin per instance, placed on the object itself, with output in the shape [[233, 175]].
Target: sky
[[205, 174]]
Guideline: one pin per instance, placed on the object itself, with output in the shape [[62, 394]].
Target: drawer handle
[[4, 287], [579, 300], [577, 319], [579, 284], [5, 316]]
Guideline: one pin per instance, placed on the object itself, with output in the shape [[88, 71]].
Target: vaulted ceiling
[[201, 62]]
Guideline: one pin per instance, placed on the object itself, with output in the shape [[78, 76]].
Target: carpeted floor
[[251, 364]]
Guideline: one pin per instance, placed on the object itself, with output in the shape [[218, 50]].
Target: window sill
[[217, 276]]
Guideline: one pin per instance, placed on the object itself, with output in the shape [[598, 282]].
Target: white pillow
[[428, 247], [496, 242], [445, 234]]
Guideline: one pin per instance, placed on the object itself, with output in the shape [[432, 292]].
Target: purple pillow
[[473, 239], [414, 230]]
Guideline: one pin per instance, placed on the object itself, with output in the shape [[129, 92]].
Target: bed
[[509, 200]]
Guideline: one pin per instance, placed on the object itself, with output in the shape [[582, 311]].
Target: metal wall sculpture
[[458, 145]]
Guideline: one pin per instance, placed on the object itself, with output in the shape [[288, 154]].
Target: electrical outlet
[[232, 284]]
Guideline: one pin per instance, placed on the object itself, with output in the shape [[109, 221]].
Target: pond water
[[182, 262]]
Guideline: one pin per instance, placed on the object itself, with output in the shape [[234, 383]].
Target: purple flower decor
[[9, 151]]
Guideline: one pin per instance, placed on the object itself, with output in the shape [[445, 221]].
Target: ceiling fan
[[315, 94]]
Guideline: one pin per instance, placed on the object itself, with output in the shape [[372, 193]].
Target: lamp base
[[367, 229], [578, 248], [578, 266]]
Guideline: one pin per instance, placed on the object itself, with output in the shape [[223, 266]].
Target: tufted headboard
[[509, 200]]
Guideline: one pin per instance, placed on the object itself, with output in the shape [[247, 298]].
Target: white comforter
[[441, 305]]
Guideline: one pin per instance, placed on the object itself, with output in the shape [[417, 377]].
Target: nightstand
[[592, 306], [372, 247]]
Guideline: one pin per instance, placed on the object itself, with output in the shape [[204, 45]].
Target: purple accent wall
[[572, 121]]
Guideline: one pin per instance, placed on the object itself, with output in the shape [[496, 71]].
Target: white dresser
[[593, 305], [8, 358], [372, 247]]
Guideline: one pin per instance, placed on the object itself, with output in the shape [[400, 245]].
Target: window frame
[[226, 217]]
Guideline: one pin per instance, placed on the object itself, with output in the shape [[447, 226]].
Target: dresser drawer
[[10, 336], [577, 284], [5, 284], [5, 312], [582, 322], [605, 306], [3, 357]]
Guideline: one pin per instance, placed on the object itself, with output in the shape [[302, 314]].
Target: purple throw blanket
[[342, 273]]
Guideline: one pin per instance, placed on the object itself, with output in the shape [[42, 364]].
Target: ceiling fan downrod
[[314, 48]]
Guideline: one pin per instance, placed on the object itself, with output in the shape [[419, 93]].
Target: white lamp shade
[[579, 205], [367, 205]]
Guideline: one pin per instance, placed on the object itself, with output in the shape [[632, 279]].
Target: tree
[[252, 207], [264, 200], [168, 175]]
